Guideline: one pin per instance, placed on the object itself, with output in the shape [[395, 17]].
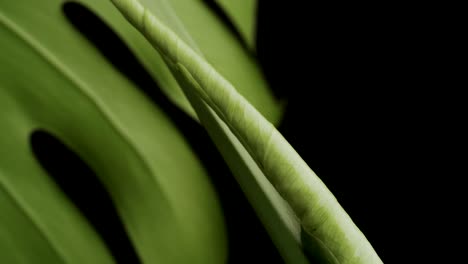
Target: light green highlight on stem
[[329, 235]]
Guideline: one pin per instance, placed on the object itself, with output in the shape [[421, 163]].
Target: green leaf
[[243, 14], [52, 78], [274, 213], [328, 233], [270, 207]]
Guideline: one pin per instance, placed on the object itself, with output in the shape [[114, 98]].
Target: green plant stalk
[[329, 234], [276, 215]]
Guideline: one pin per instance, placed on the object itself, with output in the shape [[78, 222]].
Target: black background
[[372, 108], [339, 69]]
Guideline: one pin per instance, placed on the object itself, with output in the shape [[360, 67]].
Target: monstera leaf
[[53, 80], [61, 84]]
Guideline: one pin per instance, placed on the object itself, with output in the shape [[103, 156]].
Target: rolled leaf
[[330, 234]]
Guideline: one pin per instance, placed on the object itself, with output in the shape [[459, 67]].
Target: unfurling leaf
[[330, 234]]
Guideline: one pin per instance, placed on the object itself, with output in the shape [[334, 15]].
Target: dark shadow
[[81, 185], [248, 240], [273, 44]]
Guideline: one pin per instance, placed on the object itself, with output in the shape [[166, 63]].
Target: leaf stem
[[329, 234]]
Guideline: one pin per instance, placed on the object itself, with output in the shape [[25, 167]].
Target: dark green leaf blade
[[51, 78]]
